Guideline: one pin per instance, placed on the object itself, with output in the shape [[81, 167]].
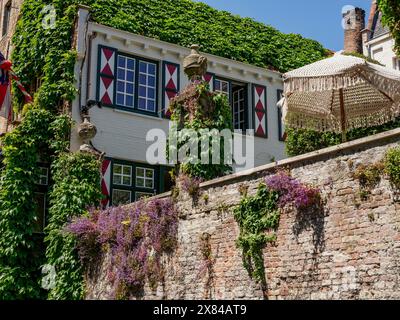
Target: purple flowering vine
[[136, 236], [292, 192]]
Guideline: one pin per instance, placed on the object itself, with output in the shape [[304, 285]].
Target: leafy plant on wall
[[391, 16]]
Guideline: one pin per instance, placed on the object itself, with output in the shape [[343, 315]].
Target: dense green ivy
[[255, 215], [300, 141], [197, 108], [391, 16], [76, 186], [20, 249]]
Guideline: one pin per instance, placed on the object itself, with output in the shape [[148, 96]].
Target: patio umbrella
[[340, 93]]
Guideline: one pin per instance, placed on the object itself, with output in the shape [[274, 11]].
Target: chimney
[[354, 23]]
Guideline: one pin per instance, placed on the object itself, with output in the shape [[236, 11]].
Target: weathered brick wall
[[349, 251]]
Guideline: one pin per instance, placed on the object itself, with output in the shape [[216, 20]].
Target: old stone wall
[[350, 250]]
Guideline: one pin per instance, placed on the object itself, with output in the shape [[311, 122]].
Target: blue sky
[[315, 19]]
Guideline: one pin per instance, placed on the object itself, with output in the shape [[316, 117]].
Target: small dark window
[[6, 18]]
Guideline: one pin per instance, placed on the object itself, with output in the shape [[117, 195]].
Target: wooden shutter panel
[[209, 78], [260, 110], [106, 75], [171, 83], [106, 182]]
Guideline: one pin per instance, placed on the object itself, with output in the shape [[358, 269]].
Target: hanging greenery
[[197, 108], [391, 16]]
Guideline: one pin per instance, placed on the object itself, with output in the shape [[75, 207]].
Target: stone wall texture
[[351, 250]]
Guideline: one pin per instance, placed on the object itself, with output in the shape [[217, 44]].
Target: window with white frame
[[43, 176], [222, 86], [136, 84], [132, 182], [121, 197], [122, 175], [147, 86], [144, 178], [239, 110], [126, 81]]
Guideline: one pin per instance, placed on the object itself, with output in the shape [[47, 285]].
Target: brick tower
[[354, 23]]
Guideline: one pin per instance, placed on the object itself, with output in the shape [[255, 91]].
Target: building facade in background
[[377, 41]]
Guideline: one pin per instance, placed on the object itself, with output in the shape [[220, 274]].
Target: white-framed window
[[122, 175], [238, 107], [136, 84], [121, 197], [222, 86], [142, 195], [147, 86], [126, 81], [43, 177], [144, 178]]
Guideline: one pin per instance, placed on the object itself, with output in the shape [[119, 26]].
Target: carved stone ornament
[[195, 65], [87, 131]]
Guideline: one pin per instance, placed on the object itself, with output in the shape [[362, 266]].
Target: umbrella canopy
[[340, 93]]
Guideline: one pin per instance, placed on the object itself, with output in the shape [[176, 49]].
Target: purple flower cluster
[[136, 237], [291, 191], [190, 185]]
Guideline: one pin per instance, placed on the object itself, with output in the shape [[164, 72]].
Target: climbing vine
[[258, 216], [135, 238], [199, 109], [392, 166], [391, 16]]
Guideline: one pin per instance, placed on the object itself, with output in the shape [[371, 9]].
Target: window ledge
[[137, 114]]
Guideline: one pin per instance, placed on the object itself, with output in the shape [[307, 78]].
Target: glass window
[[122, 175], [43, 179], [222, 86], [6, 18], [125, 81], [121, 197], [239, 120], [281, 123], [142, 195], [144, 178], [147, 86]]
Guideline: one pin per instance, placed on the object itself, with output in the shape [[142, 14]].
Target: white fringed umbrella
[[340, 93]]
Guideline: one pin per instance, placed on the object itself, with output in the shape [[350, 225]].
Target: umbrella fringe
[[332, 124]]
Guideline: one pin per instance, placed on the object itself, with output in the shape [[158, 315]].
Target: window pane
[[120, 99], [126, 181], [143, 67], [142, 79], [151, 106], [152, 81], [151, 93], [121, 61], [117, 168], [142, 104], [152, 69], [129, 88], [140, 182], [120, 86], [121, 74], [149, 173], [130, 76], [121, 197], [149, 184], [131, 64], [142, 91], [129, 101], [140, 172], [127, 170]]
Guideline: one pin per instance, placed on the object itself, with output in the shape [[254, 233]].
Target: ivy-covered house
[[131, 79]]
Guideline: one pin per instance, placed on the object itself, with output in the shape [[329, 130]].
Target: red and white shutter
[[209, 78], [260, 110], [106, 76], [106, 182], [170, 85]]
